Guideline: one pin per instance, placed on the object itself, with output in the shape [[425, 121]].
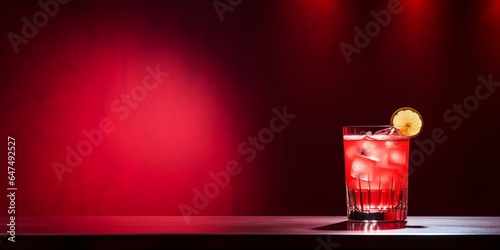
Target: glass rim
[[353, 130], [368, 126]]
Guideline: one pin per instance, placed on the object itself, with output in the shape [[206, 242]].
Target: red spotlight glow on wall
[[157, 143], [488, 28]]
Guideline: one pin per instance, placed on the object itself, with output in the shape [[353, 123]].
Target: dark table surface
[[251, 232]]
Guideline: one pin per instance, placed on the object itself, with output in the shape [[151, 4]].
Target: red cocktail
[[376, 173]]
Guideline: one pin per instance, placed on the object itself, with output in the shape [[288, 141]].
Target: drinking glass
[[376, 173]]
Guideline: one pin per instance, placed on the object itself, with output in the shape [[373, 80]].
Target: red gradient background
[[225, 79]]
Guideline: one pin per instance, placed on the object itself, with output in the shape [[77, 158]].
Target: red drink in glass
[[376, 173]]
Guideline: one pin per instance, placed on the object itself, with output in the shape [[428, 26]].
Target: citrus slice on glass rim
[[408, 121]]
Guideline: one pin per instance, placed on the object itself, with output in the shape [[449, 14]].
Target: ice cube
[[352, 149], [373, 149], [395, 132], [385, 131], [365, 133], [396, 156], [363, 168], [388, 131], [388, 134]]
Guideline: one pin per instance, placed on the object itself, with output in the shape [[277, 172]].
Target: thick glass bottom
[[391, 216], [365, 205]]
